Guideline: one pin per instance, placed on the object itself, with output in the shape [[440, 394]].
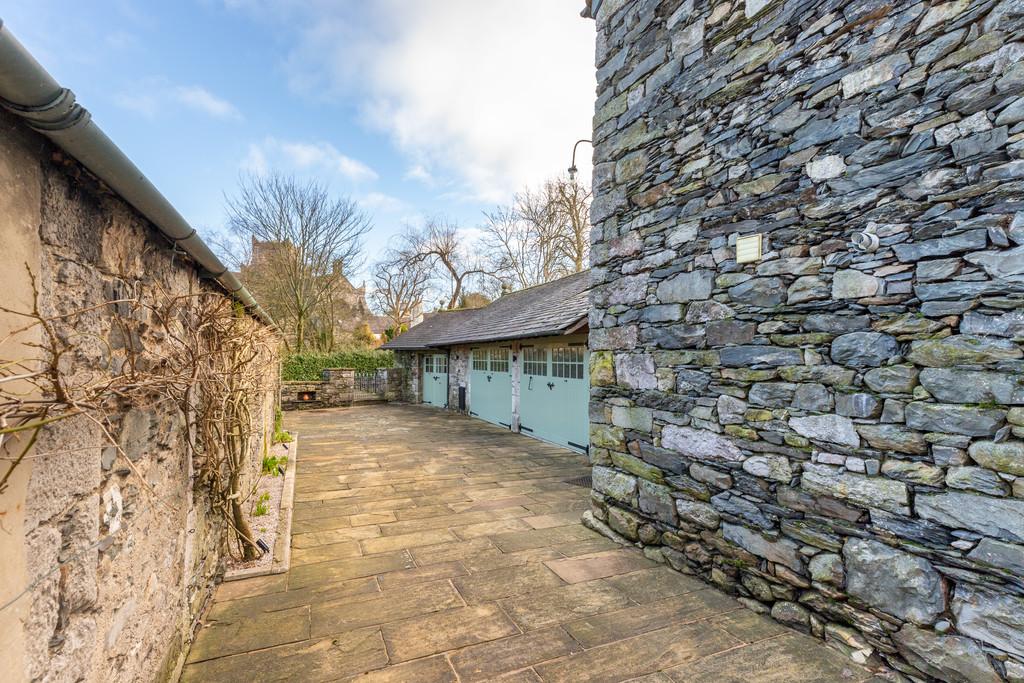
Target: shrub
[[392, 332], [363, 336], [306, 367]]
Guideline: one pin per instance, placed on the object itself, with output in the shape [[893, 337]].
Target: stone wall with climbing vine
[[136, 398]]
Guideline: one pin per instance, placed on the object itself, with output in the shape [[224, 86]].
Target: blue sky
[[411, 108]]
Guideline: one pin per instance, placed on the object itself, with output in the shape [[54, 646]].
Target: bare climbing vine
[[199, 352]]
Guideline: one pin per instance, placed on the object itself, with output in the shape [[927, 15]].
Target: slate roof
[[544, 310], [435, 326]]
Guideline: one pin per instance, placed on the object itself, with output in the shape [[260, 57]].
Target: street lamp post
[[572, 169]]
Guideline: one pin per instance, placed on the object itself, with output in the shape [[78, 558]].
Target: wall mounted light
[[572, 169]]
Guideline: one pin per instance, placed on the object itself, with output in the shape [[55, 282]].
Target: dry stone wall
[[835, 432]]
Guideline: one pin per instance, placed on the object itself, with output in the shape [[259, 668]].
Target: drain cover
[[586, 481]]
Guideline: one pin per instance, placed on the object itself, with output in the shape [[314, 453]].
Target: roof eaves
[[533, 334]]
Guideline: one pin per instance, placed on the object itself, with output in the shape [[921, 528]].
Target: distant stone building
[[378, 324], [335, 321], [807, 314]]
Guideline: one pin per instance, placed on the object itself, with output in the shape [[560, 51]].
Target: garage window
[[499, 360], [441, 364], [567, 362], [428, 364], [535, 361], [480, 359]]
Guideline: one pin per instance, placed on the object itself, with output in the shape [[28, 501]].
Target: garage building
[[520, 363]]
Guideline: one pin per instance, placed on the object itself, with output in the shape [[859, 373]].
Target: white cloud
[[147, 104], [319, 157], [201, 99], [421, 173], [492, 94], [255, 161], [156, 96], [385, 203]]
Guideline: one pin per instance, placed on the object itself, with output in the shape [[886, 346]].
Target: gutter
[[28, 91]]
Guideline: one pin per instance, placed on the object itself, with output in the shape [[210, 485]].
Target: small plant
[[272, 462], [261, 505]]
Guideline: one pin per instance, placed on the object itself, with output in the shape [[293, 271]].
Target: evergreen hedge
[[306, 367]]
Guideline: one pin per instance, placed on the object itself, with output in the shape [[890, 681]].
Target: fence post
[[349, 379]]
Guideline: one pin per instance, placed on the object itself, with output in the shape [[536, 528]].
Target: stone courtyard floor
[[434, 547]]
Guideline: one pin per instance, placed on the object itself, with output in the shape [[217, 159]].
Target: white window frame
[[567, 362], [535, 361], [499, 357]]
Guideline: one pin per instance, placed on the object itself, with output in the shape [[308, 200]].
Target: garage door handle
[[551, 385], [488, 378]]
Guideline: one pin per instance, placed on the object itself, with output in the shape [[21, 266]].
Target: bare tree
[[570, 202], [399, 287], [440, 246], [522, 250], [304, 243], [328, 319], [543, 235]]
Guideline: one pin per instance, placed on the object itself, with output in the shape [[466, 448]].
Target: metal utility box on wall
[[748, 248]]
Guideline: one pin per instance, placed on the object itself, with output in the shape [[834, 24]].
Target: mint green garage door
[[554, 394], [490, 385], [435, 380]]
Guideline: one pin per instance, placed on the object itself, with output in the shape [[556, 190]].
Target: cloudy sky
[[413, 108]]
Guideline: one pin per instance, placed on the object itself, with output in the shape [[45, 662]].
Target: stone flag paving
[[433, 547]]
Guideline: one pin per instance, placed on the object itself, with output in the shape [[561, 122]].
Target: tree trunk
[[300, 332], [242, 529], [456, 291]]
